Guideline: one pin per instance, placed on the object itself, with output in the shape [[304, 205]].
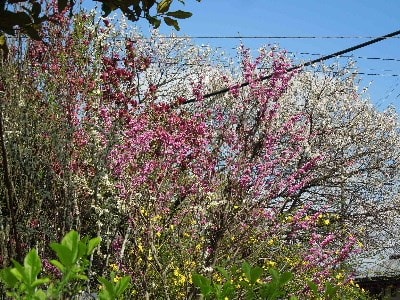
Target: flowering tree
[[172, 189], [358, 143], [360, 146]]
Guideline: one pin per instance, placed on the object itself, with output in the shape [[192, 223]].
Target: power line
[[370, 72], [348, 56], [238, 37], [272, 37], [306, 64]]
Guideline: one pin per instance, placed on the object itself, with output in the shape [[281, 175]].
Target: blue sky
[[242, 18]]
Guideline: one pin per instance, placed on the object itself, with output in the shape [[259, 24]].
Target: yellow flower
[[156, 218], [189, 264], [289, 218], [114, 267], [116, 278], [271, 263], [180, 278], [339, 276], [326, 221], [218, 278], [270, 242]]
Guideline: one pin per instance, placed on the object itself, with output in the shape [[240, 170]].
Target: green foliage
[[23, 281], [114, 288], [335, 292], [72, 261], [31, 16], [250, 284]]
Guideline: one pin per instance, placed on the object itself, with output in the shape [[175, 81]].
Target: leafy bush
[[73, 253]]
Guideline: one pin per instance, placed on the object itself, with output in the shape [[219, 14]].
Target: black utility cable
[[306, 64]]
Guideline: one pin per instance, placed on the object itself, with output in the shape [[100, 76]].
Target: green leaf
[[82, 248], [246, 268], [32, 32], [285, 278], [71, 241], [255, 274], [228, 290], [40, 295], [63, 253], [330, 290], [180, 14], [18, 271], [313, 287], [163, 6], [36, 10], [148, 3], [203, 283], [106, 8], [21, 19], [33, 265], [267, 290], [274, 273], [62, 4], [108, 288], [93, 243], [7, 277], [224, 273], [58, 265], [171, 22], [122, 285], [80, 277], [40, 281], [154, 21]]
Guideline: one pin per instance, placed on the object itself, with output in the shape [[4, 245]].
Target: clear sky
[[244, 18]]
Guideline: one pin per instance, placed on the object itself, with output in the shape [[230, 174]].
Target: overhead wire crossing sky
[[308, 63]]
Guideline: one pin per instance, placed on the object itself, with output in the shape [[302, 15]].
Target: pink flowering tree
[[96, 140]]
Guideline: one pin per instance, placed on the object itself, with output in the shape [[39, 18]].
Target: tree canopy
[[27, 16], [94, 136]]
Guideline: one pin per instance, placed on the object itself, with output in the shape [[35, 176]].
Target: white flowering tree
[[357, 179]]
